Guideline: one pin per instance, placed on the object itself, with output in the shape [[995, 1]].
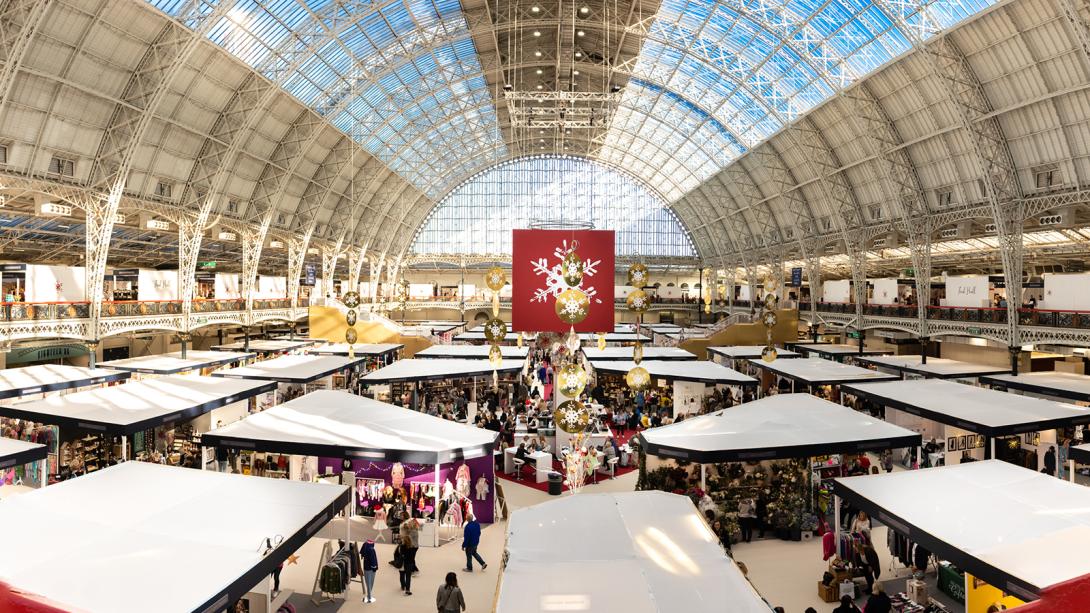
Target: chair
[[613, 467], [518, 468]]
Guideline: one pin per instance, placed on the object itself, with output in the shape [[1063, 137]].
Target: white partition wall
[[227, 286], [885, 291], [55, 283], [968, 291], [157, 285], [1066, 292], [839, 290], [271, 287]]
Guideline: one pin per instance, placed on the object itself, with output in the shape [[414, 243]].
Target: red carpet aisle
[[529, 481]]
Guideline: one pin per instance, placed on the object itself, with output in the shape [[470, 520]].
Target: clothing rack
[[318, 594]]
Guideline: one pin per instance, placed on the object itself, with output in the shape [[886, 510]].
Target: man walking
[[471, 537]]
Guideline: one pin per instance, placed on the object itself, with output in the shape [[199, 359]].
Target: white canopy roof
[[303, 339], [835, 349], [14, 452], [106, 552], [171, 363], [479, 336], [437, 368], [1080, 453], [976, 409], [747, 352], [137, 405], [700, 371], [342, 425], [663, 327], [1060, 384], [292, 368], [637, 552], [264, 346], [649, 353], [15, 382], [615, 337], [361, 349], [775, 427], [1015, 528], [937, 368], [816, 371], [471, 352]]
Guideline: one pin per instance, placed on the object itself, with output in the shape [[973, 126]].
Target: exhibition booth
[[961, 419], [1013, 533], [20, 462], [635, 552], [815, 375], [659, 354], [201, 362], [47, 378], [477, 336], [1054, 385], [295, 375], [376, 355], [471, 352], [161, 418], [414, 382], [914, 367], [388, 452], [264, 347], [141, 537], [689, 379], [738, 356], [834, 351]]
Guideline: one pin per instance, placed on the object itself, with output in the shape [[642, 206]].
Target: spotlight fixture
[[575, 72], [539, 71], [584, 10], [535, 9], [507, 87], [579, 33], [578, 54], [537, 32], [541, 87], [537, 54], [615, 89]]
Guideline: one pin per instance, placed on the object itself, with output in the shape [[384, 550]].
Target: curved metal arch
[[730, 209], [984, 333]]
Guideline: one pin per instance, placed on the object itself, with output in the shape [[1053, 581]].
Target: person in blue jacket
[[370, 566], [471, 537]]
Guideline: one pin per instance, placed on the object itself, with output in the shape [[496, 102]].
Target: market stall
[[963, 420], [659, 354], [376, 355], [1051, 384], [46, 378], [295, 375], [689, 380], [22, 461], [140, 537], [413, 382], [161, 419], [615, 338], [265, 348], [637, 552], [834, 351], [914, 367], [471, 352], [476, 336], [389, 451], [821, 377], [738, 356], [202, 362], [1014, 533]]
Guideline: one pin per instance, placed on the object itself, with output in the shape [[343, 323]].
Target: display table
[[541, 461]]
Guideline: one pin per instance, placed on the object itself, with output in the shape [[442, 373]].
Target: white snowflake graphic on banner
[[554, 275]]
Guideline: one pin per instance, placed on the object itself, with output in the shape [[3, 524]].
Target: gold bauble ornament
[[519, 341], [771, 300], [495, 278], [351, 300], [350, 336], [638, 275], [495, 356], [638, 378], [572, 306], [769, 319], [571, 380], [572, 341], [601, 342], [637, 352], [707, 307], [571, 416], [637, 301], [350, 317], [572, 269], [495, 330], [768, 354], [495, 304]]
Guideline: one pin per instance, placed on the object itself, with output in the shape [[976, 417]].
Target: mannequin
[[482, 488]]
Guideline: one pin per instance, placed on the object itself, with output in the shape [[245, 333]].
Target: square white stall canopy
[[625, 353], [615, 337], [336, 424], [292, 368], [173, 363], [137, 537], [637, 552], [1080, 453], [139, 405], [976, 409], [361, 349], [748, 352], [935, 368], [14, 452], [438, 368], [775, 427], [1019, 530], [834, 349], [1066, 385], [264, 346], [816, 371], [700, 371], [479, 336], [16, 382], [471, 352]]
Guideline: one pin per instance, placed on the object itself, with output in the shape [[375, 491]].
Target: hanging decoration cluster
[[572, 304], [638, 302], [768, 319], [351, 300], [495, 329]]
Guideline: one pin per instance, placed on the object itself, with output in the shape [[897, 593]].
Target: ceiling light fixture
[[535, 9], [537, 54], [575, 72], [539, 71], [541, 87], [578, 54], [579, 33], [537, 32], [584, 10]]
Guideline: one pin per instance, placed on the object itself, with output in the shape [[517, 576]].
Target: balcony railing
[[48, 311], [1072, 320]]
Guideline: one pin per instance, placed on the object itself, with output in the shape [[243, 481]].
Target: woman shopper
[[450, 599], [747, 516], [407, 555], [879, 602]]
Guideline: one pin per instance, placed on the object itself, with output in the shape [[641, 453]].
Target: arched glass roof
[[478, 216], [713, 78]]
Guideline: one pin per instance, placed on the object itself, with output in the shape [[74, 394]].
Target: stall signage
[[206, 265], [24, 355], [796, 276], [311, 275], [12, 267]]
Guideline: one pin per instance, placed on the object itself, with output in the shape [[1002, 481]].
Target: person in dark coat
[[1050, 461], [846, 606], [879, 602], [407, 553], [471, 538]]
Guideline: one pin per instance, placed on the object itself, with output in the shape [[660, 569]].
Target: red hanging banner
[[537, 278]]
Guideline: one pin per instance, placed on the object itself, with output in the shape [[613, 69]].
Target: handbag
[[399, 560]]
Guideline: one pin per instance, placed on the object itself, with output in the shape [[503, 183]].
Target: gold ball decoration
[[601, 342], [519, 341], [495, 279], [495, 356], [571, 380], [771, 300], [495, 330], [350, 336], [638, 275], [769, 319], [572, 306], [351, 300], [769, 354], [638, 379], [571, 416], [572, 269], [637, 301], [350, 317]]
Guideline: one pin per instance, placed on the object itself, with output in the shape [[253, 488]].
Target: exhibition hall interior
[[534, 306]]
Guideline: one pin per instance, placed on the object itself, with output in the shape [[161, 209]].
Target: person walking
[[1050, 461], [411, 527], [449, 599], [407, 555], [747, 516], [369, 558], [471, 537]]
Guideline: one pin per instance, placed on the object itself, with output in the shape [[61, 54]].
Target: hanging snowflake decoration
[[554, 275], [572, 306], [637, 301], [571, 416]]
